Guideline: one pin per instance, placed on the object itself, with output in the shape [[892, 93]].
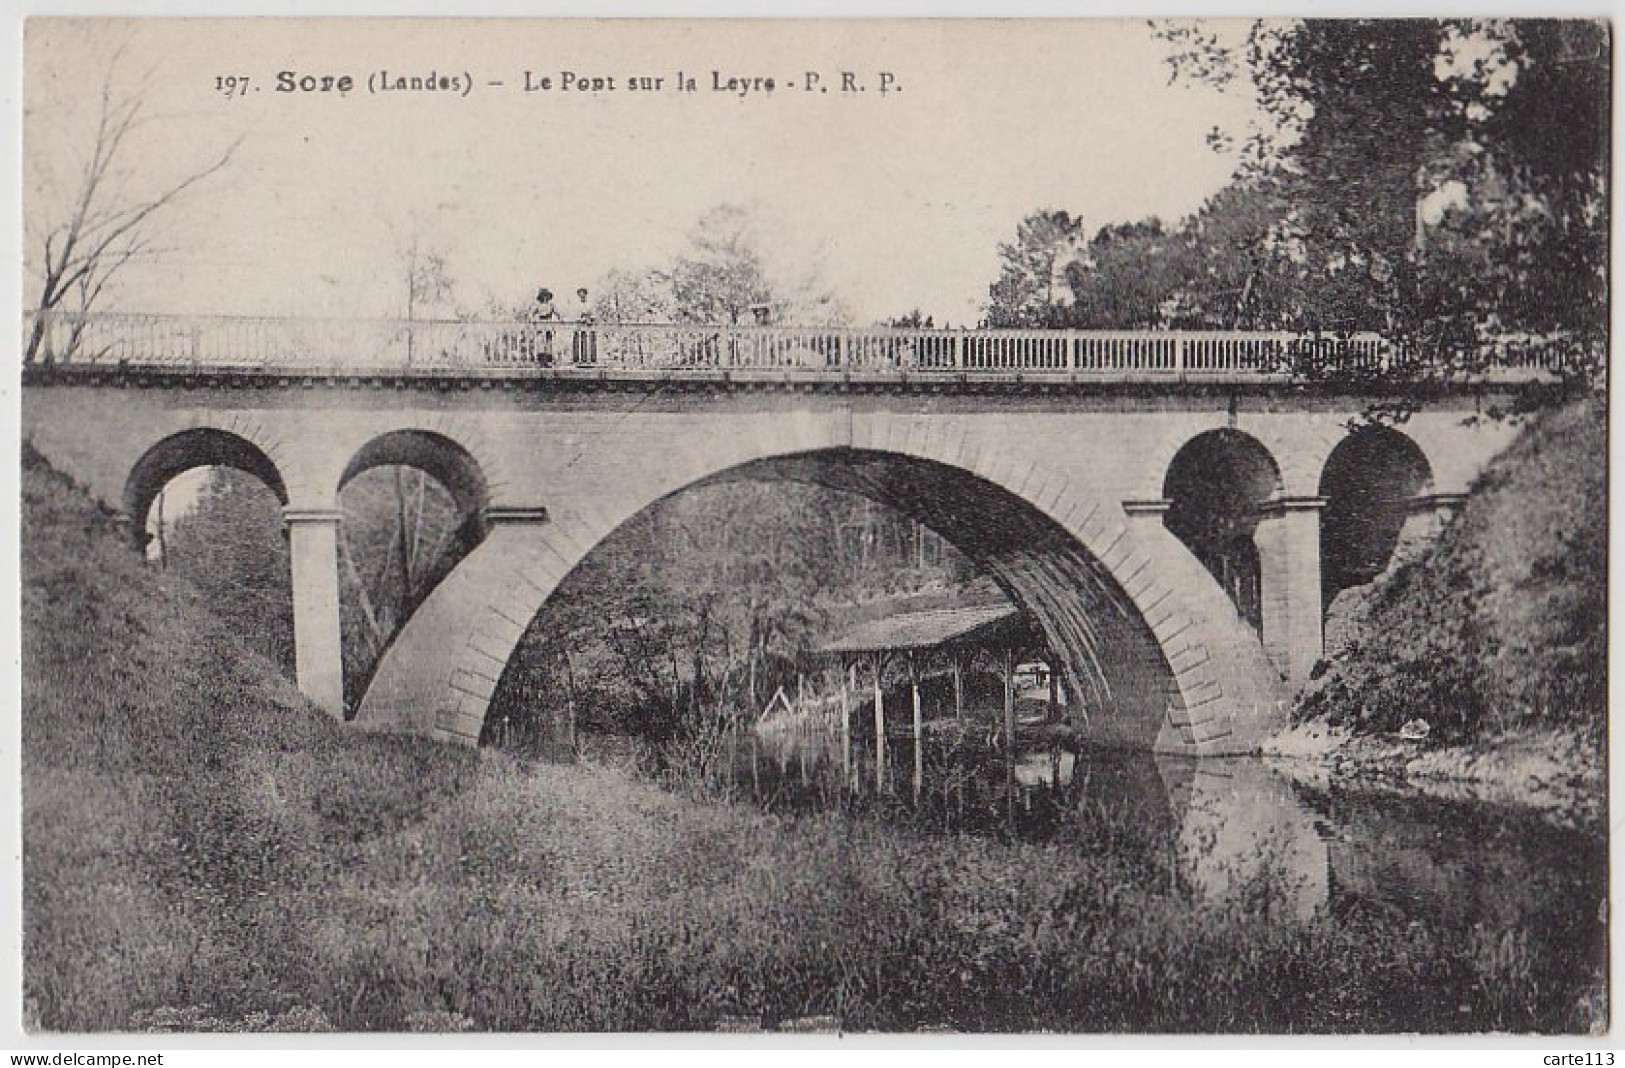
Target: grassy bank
[[1497, 636], [196, 835]]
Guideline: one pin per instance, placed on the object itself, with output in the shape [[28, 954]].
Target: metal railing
[[517, 348]]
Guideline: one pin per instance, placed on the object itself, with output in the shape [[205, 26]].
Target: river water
[[1465, 866]]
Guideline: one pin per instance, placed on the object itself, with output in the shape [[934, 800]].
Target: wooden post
[[1054, 688], [846, 726], [959, 689], [158, 531], [1010, 737], [1010, 702], [880, 728], [919, 732]]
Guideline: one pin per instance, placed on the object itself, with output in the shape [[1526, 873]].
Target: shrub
[[1503, 624]]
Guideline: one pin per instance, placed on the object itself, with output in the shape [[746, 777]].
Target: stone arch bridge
[[1175, 511]]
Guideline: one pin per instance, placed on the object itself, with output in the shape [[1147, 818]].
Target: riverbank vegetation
[[196, 835], [1500, 629]]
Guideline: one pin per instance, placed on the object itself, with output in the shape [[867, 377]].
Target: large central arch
[[1153, 672]]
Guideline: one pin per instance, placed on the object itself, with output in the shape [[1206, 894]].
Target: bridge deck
[[515, 351]]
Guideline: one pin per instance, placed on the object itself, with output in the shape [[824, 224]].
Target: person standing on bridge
[[541, 313], [584, 344]]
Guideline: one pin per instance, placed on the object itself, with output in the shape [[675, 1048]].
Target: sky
[[897, 200]]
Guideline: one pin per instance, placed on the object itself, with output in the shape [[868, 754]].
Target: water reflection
[[1230, 824], [1237, 831], [1244, 829]]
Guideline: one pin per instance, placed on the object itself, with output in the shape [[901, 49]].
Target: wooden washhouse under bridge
[[955, 639]]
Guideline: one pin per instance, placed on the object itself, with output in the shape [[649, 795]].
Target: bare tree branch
[[105, 228], [375, 630]]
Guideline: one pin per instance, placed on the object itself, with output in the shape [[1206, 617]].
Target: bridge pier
[[1288, 541], [313, 535]]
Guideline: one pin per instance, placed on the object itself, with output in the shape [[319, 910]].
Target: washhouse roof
[[975, 625]]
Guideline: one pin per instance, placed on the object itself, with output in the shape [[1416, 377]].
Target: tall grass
[[203, 850]]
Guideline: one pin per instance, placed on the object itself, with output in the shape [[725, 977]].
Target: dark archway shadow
[[1370, 482], [1114, 668], [455, 470], [182, 452], [1214, 488]]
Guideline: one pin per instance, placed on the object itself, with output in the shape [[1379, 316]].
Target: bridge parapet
[[519, 349]]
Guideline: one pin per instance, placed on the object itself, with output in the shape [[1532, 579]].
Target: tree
[[1542, 202], [719, 276], [428, 284], [106, 224], [1442, 181], [1225, 267], [628, 297], [722, 276], [914, 320], [1234, 257], [1035, 271], [229, 544], [1128, 280]]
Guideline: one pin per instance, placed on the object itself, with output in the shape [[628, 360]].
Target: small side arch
[[1215, 485], [456, 469], [442, 458], [183, 451], [1371, 481]]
